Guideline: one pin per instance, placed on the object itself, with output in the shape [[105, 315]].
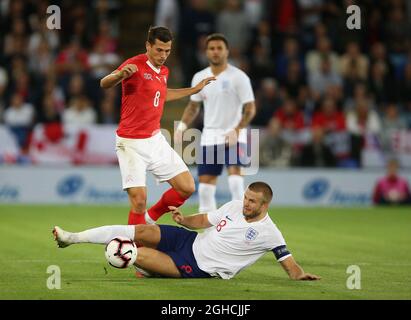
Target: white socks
[[102, 235], [148, 219], [236, 185], [206, 194]]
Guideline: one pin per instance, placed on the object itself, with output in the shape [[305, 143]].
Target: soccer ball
[[121, 252]]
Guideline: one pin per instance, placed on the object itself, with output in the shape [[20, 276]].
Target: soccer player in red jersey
[[140, 146]]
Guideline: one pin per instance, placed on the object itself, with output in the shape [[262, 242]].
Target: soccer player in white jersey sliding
[[228, 109], [236, 236]]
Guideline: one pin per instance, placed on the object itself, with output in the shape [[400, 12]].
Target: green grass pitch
[[325, 241]]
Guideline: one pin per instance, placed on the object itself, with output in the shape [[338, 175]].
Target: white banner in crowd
[[99, 185]]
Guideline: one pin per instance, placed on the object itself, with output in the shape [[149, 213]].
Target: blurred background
[[333, 104]]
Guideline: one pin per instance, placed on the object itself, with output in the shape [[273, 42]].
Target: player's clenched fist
[[128, 70], [177, 215]]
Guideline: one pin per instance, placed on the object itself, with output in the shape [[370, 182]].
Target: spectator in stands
[[332, 121], [4, 80], [196, 20], [254, 11], [404, 87], [325, 77], [15, 42], [407, 115], [329, 118], [49, 111], [56, 92], [41, 60], [313, 58], [381, 86], [359, 92], [317, 153], [107, 112], [361, 121], [42, 33], [72, 59], [310, 11], [233, 23], [79, 112], [295, 83], [392, 189], [289, 117], [101, 62], [391, 122], [19, 117], [105, 38], [353, 58], [268, 101], [274, 150], [262, 65], [76, 86], [378, 53], [262, 35], [291, 52], [397, 31], [167, 14], [105, 10]]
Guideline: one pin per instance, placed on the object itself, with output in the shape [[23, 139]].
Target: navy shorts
[[213, 158], [177, 242]]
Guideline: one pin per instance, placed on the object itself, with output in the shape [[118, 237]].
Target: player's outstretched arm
[[175, 94], [295, 272], [117, 76], [195, 221]]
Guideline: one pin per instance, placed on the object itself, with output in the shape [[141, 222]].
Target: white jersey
[[232, 244], [223, 102]]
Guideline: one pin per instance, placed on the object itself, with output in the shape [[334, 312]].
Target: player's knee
[[145, 233]]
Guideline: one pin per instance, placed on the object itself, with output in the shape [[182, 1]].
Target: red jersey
[[293, 121], [333, 122], [143, 97]]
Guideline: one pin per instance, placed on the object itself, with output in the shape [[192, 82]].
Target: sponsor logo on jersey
[[251, 234], [148, 76]]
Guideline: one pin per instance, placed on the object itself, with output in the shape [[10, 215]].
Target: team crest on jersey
[[148, 76], [251, 234]]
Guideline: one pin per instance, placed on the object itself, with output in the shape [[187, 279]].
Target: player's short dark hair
[[217, 37], [264, 188], [161, 33]]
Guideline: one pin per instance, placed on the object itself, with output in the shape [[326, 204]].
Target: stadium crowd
[[322, 90]]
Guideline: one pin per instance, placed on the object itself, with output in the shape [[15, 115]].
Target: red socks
[[136, 218], [169, 198]]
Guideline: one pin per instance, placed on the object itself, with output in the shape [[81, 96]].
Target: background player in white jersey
[[228, 109], [236, 235]]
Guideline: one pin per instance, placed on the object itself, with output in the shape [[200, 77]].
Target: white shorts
[[154, 154]]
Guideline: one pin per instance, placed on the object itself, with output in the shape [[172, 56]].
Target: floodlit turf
[[324, 242]]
